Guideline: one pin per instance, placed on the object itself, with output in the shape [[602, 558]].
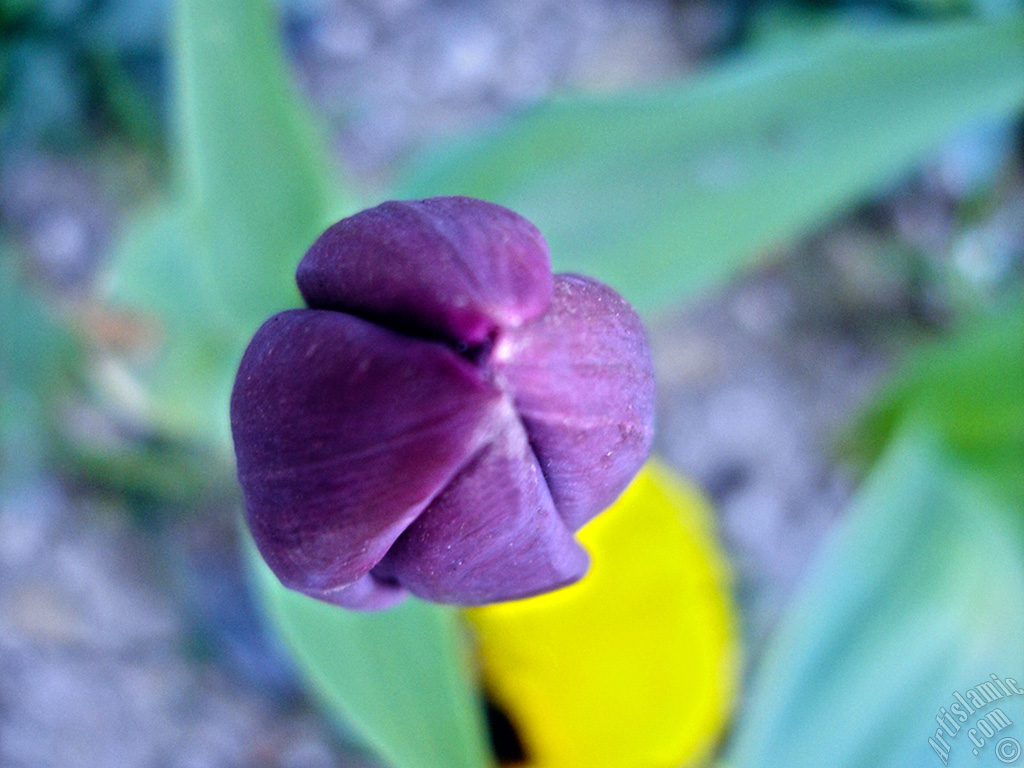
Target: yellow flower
[[637, 665]]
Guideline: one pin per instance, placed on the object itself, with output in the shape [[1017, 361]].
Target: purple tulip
[[444, 415]]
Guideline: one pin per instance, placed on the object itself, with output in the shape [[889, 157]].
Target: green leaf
[[971, 388], [664, 193], [916, 596], [252, 164], [400, 676]]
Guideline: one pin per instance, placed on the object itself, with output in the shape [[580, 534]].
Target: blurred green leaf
[[132, 110], [252, 163], [38, 360], [13, 11], [150, 472], [971, 387], [401, 676], [664, 193], [917, 595], [187, 381], [41, 358]]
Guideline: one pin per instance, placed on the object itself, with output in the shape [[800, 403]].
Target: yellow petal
[[637, 665]]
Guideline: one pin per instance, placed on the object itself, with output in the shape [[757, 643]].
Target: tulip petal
[[638, 664], [367, 593], [344, 432], [454, 266], [583, 382], [492, 535]]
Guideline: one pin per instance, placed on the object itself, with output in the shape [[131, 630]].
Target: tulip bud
[[444, 415]]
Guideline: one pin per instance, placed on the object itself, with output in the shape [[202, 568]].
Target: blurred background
[[128, 636]]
